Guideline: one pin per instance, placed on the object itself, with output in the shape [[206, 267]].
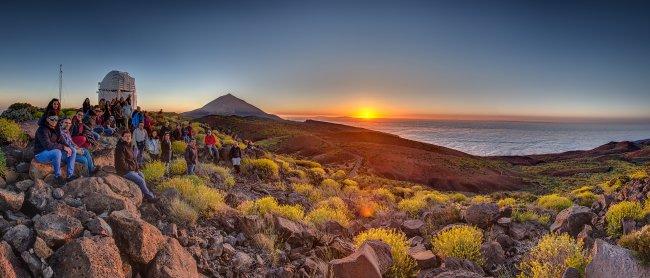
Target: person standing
[[211, 145], [50, 149], [235, 156], [86, 107], [136, 118], [127, 166], [127, 110], [140, 138], [166, 147], [153, 145], [191, 156]]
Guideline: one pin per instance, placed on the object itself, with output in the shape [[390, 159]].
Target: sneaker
[[71, 178], [59, 180], [152, 200]]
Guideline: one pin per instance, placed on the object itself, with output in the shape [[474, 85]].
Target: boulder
[[10, 200], [614, 261], [290, 231], [57, 229], [482, 215], [571, 273], [41, 249], [451, 263], [412, 227], [493, 253], [20, 237], [10, 265], [98, 226], [572, 219], [39, 196], [241, 262], [22, 167], [105, 194], [425, 259], [46, 172], [371, 259], [88, 257], [172, 261], [23, 185], [135, 237]]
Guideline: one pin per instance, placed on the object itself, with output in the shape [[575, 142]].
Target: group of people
[[60, 139]]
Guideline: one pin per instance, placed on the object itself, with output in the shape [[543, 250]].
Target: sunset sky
[[386, 58]]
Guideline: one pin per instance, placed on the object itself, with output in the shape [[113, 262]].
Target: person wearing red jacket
[[211, 144]]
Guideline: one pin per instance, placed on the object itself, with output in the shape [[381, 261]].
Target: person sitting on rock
[[153, 145], [53, 108], [211, 145], [50, 149], [140, 137], [166, 147], [110, 126], [127, 166], [191, 156], [235, 156], [83, 155]]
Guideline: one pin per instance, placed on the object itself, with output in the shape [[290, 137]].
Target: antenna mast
[[60, 81]]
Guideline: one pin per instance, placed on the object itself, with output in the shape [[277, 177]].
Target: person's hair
[[49, 110], [125, 132], [87, 100]]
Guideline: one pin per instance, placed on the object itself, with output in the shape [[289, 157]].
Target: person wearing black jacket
[[166, 147], [49, 147], [127, 166], [235, 156], [191, 156]]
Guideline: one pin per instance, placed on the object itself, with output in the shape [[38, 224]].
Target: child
[[191, 156]]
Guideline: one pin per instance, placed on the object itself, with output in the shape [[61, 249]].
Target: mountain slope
[[229, 105]]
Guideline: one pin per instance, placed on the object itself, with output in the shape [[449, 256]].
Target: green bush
[[178, 167], [203, 199], [270, 205], [3, 163], [10, 131], [585, 198], [463, 242], [316, 174], [507, 202], [330, 186], [552, 255], [614, 184], [263, 167], [308, 164], [403, 264], [480, 199], [616, 213], [178, 147], [458, 197], [319, 216], [639, 243], [523, 216], [349, 182], [210, 170], [154, 171], [554, 202], [182, 213], [638, 175]]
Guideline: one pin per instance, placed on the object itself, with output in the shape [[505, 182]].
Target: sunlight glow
[[366, 113]]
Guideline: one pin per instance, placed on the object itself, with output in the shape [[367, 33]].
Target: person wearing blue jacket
[[136, 118]]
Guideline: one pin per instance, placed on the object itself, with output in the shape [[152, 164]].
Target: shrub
[[178, 167], [3, 163], [646, 207], [182, 213], [583, 189], [585, 198], [457, 197], [154, 171], [339, 175], [552, 255], [270, 205], [330, 186], [523, 216], [384, 194], [202, 198], [403, 264], [308, 190], [554, 202], [349, 182], [10, 131], [463, 242], [616, 213], [316, 174], [321, 215], [639, 243], [263, 167], [614, 184], [480, 199], [178, 147], [638, 175], [297, 173], [507, 202], [308, 164], [412, 206], [210, 170]]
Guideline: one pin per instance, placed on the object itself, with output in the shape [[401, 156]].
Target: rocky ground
[[99, 227]]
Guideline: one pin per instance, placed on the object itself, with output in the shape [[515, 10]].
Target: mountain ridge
[[229, 105]]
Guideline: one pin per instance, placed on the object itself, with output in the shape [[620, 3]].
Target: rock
[[571, 220], [518, 231], [58, 193], [586, 236], [97, 226], [412, 227], [459, 273], [425, 259], [456, 264], [46, 172], [22, 167], [20, 237], [493, 253], [371, 259], [40, 196], [41, 249], [88, 257], [242, 261], [251, 224], [613, 261], [504, 221], [10, 265], [482, 215], [23, 185], [57, 229], [628, 226], [335, 228], [172, 261], [10, 176], [10, 200], [571, 273], [105, 194], [33, 263], [135, 237], [290, 231]]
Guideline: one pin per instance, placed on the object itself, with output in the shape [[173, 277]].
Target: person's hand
[[68, 150], [80, 150]]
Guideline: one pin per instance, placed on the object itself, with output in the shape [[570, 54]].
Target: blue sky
[[399, 58]]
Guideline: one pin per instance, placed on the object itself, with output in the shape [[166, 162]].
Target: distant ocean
[[505, 137]]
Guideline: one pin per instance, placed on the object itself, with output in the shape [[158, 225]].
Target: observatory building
[[118, 84]]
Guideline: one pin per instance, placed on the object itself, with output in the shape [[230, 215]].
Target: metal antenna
[[60, 82]]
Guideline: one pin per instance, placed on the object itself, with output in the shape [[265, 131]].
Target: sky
[[414, 59]]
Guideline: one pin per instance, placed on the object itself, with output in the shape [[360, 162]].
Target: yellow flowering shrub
[[463, 242], [268, 204], [552, 255], [265, 168], [507, 202], [178, 147], [554, 202], [154, 171], [616, 213], [403, 264], [178, 167]]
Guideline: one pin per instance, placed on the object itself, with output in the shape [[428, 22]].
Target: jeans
[[86, 159], [98, 130], [138, 178], [140, 157], [54, 157], [190, 169], [214, 152], [109, 131], [187, 138]]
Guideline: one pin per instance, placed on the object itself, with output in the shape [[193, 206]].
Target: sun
[[366, 113]]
